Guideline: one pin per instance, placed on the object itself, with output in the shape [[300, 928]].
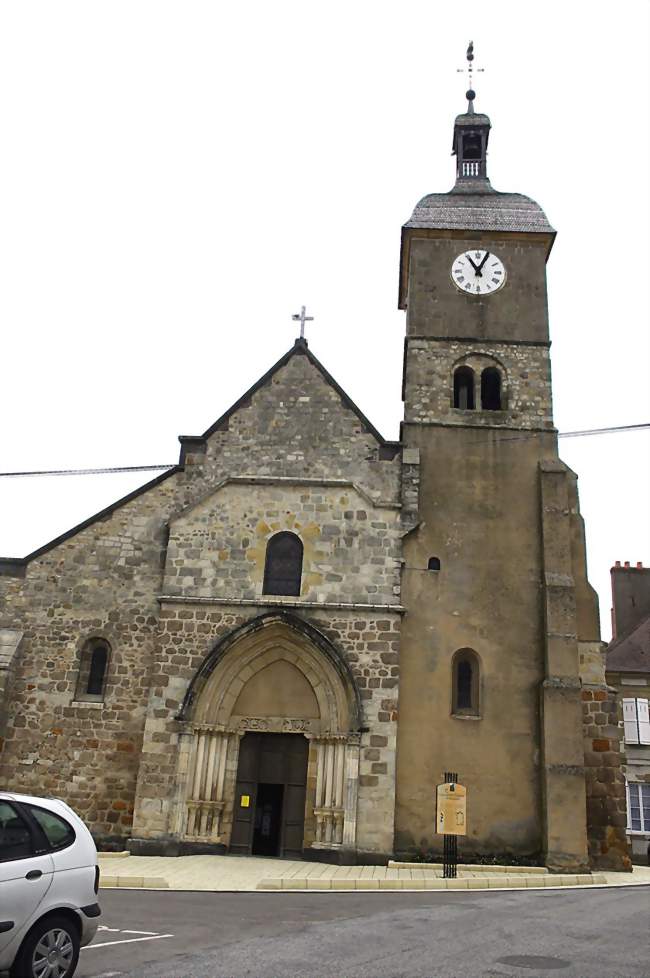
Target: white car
[[49, 880]]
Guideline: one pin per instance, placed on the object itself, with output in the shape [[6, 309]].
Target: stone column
[[205, 785], [352, 753], [337, 778], [178, 817]]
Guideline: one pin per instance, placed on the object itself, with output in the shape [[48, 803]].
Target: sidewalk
[[233, 873]]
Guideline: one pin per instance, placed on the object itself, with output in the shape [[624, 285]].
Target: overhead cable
[[170, 465]]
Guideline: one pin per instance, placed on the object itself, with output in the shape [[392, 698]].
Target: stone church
[[281, 644]]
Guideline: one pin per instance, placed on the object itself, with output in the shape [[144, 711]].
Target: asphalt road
[[535, 934]]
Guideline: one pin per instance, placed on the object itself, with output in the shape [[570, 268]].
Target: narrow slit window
[[491, 389], [465, 683], [283, 566], [464, 389]]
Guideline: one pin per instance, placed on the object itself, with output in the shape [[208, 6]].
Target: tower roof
[[476, 206]]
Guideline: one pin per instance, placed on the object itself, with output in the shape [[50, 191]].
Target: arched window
[[491, 389], [464, 388], [93, 667], [465, 683], [434, 564], [283, 566]]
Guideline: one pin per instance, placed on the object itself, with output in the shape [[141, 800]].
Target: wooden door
[[245, 796], [271, 759]]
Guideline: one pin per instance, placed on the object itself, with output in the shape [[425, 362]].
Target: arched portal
[[271, 724]]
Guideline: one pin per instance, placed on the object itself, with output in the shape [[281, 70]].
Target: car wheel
[[50, 950]]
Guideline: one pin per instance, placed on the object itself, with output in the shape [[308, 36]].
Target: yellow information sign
[[245, 801], [451, 809]]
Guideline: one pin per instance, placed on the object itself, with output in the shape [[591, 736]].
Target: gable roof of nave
[[15, 566], [300, 348]]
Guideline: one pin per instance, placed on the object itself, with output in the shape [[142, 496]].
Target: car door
[[25, 873]]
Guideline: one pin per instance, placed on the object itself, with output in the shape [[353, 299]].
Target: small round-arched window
[[283, 564], [93, 669], [465, 678]]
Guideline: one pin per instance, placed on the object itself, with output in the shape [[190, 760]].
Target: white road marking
[[108, 974], [130, 940], [149, 933]]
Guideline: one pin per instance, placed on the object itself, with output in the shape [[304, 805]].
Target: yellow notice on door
[[245, 801]]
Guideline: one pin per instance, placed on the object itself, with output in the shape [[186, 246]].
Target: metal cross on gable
[[302, 318]]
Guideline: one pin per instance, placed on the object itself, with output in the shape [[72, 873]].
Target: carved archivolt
[[216, 729], [255, 652]]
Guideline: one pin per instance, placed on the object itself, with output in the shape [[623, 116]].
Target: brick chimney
[[630, 596]]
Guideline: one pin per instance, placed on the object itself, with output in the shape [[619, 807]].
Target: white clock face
[[478, 272]]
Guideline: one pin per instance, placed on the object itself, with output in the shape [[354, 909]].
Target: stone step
[[472, 868]]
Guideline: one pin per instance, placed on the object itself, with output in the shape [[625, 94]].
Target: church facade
[[280, 645]]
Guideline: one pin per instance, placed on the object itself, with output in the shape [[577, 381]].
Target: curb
[[139, 882], [476, 868], [503, 882]]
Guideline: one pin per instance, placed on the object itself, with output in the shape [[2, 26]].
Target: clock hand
[[485, 258], [475, 267]]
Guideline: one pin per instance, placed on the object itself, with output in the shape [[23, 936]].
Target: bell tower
[[494, 582]]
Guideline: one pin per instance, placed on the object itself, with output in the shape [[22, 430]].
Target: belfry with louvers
[[279, 645]]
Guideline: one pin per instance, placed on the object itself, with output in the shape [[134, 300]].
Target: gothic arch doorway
[[270, 747]]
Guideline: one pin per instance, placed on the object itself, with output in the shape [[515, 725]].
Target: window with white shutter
[[629, 721], [638, 807], [636, 721], [643, 718]]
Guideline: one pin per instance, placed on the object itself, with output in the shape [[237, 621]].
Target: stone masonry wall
[[101, 582], [295, 426], [351, 549], [525, 373], [370, 645], [604, 764]]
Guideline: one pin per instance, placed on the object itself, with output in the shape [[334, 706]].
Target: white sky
[[176, 179]]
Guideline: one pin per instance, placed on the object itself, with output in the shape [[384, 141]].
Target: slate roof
[[631, 652], [475, 206], [472, 119]]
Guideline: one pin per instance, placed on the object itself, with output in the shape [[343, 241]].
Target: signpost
[[451, 820]]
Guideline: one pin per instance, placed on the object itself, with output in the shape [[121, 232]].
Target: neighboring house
[[628, 670]]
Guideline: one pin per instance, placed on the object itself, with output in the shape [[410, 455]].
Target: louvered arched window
[[283, 565]]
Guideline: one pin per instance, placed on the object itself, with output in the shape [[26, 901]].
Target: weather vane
[[470, 94], [302, 318]]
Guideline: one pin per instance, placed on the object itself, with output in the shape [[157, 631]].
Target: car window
[[15, 837], [58, 832]]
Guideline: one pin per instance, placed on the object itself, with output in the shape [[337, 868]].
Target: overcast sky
[[178, 178]]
